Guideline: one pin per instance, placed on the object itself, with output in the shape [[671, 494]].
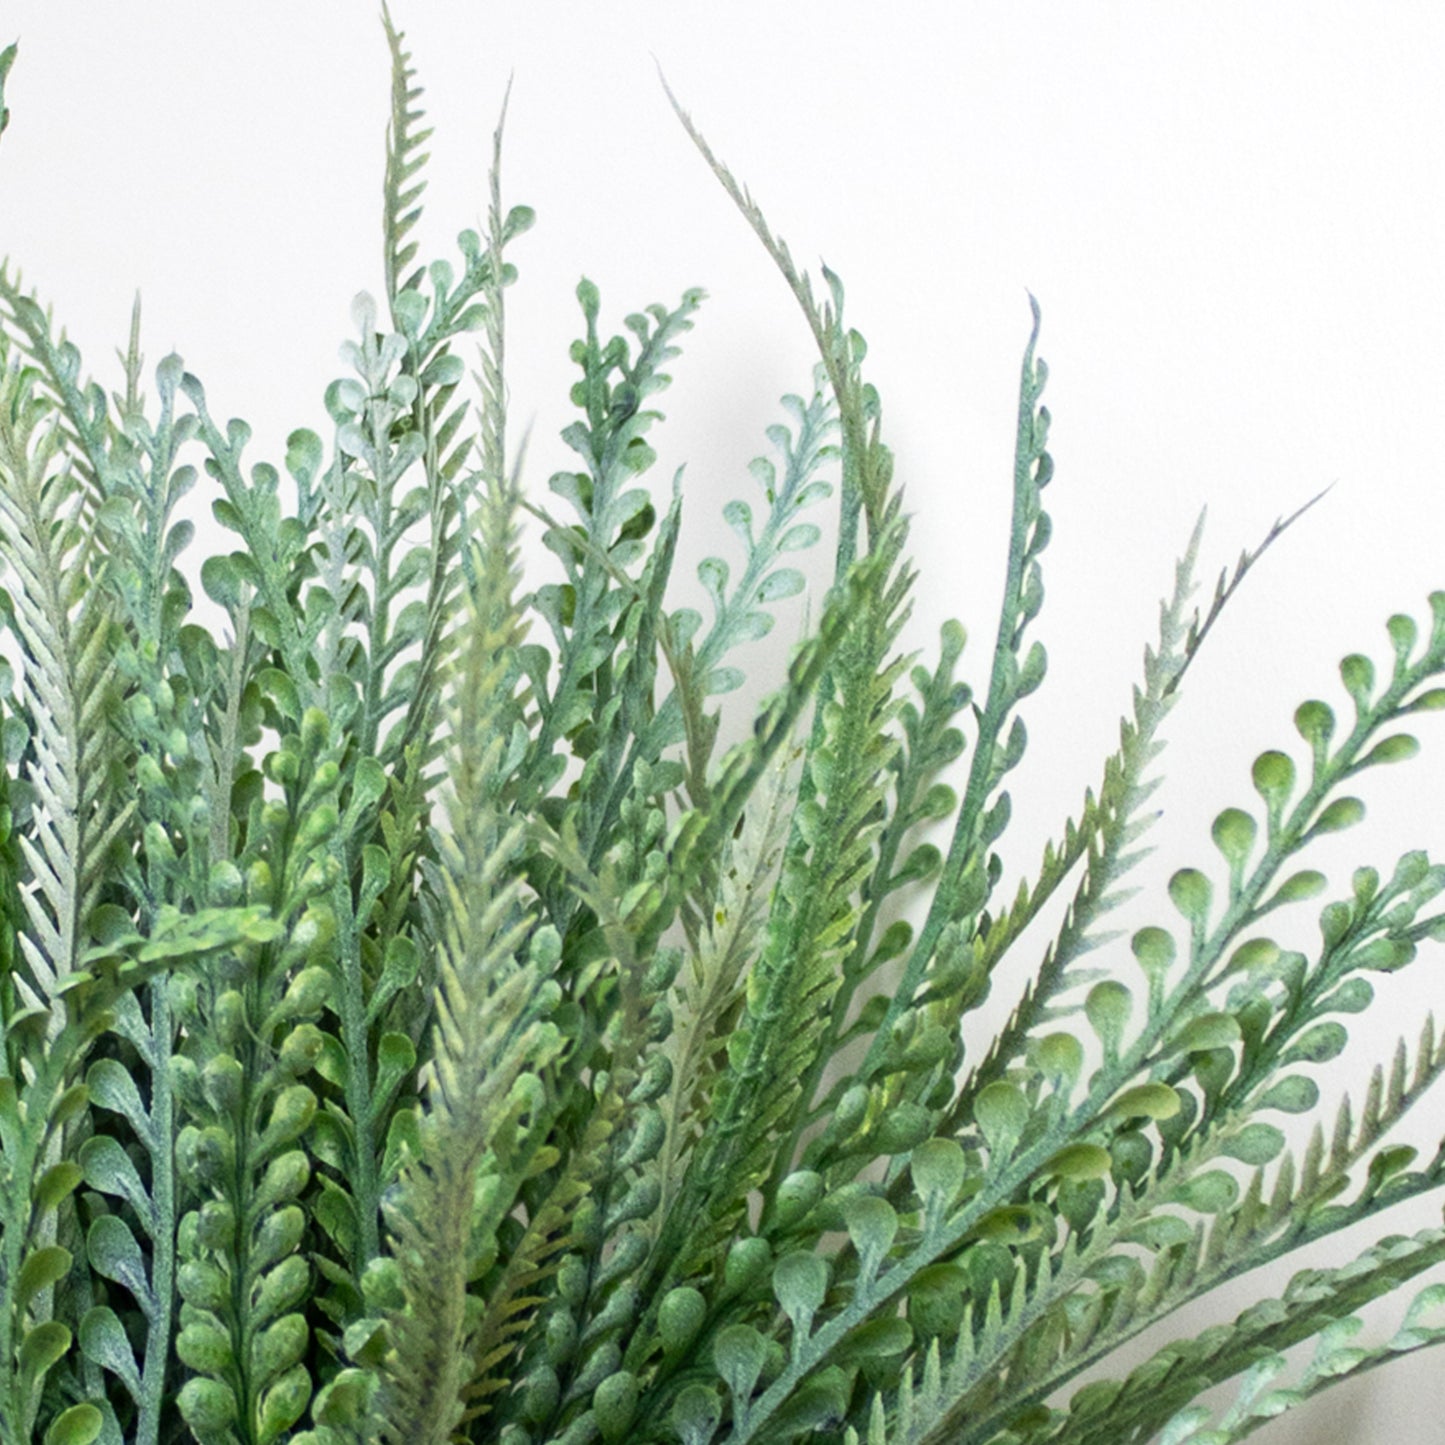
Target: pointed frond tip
[[405, 161], [1227, 586], [776, 247]]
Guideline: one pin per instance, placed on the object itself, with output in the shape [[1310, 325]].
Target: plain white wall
[[1230, 214]]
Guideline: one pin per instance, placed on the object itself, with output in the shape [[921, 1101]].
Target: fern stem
[[1002, 1183], [981, 774], [163, 1193], [19, 1390], [364, 1183], [259, 542], [958, 1427], [1114, 831], [59, 362], [221, 779], [1283, 1228], [1245, 906]]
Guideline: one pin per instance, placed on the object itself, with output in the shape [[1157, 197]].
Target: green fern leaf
[[405, 160]]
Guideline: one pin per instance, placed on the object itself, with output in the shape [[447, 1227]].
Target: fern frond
[[965, 880], [472, 1089], [492, 381], [1316, 1304], [507, 1304], [476, 1088], [1228, 584], [739, 613], [490, 1027], [1292, 819], [602, 1280], [80, 405], [402, 188], [699, 834], [602, 618], [1239, 1242], [437, 416], [814, 913], [64, 627], [823, 320], [709, 987], [172, 696], [1060, 1331], [1337, 1358], [1104, 838]]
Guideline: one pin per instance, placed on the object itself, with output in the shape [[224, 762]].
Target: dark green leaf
[[1293, 1094], [1357, 673], [1234, 832], [111, 1170], [395, 1060], [1341, 814], [679, 1318], [872, 1225], [1211, 1193], [937, 1167], [1207, 1031], [1060, 1058], [1149, 1101], [1080, 1161], [695, 1415], [1273, 775], [222, 581], [54, 1185]]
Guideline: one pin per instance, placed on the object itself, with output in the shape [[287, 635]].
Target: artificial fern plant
[[418, 1028]]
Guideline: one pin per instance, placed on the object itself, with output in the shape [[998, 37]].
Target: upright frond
[[62, 621], [491, 1002], [1110, 825], [405, 159], [79, 405], [708, 990], [969, 867]]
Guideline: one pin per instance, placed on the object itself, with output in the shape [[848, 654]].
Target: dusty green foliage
[[416, 1030]]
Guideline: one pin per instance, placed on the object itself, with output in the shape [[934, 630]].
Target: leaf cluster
[[418, 1027]]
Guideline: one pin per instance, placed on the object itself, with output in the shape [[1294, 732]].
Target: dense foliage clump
[[418, 1028]]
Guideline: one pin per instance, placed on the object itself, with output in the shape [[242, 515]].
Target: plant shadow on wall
[[405, 998]]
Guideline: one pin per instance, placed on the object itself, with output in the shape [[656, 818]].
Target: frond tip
[[7, 59], [405, 160]]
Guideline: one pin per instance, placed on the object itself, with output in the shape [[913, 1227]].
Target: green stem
[[163, 1234], [364, 1183], [981, 775]]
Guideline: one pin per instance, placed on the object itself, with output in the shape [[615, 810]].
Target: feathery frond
[[418, 1028], [405, 160]]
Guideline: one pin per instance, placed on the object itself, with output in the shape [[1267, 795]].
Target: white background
[[1230, 214]]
